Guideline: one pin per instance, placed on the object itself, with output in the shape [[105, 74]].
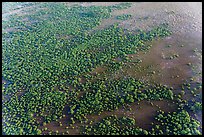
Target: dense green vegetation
[[176, 123], [59, 59], [123, 5], [113, 125], [46, 55], [124, 17], [196, 106]]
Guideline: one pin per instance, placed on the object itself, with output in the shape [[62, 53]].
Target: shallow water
[[166, 70]]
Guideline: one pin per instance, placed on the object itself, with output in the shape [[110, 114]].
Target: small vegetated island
[[124, 17], [48, 62]]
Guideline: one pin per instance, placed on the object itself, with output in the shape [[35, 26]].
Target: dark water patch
[[118, 59], [5, 82], [20, 93]]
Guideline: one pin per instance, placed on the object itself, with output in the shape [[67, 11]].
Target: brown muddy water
[[171, 72], [185, 21]]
